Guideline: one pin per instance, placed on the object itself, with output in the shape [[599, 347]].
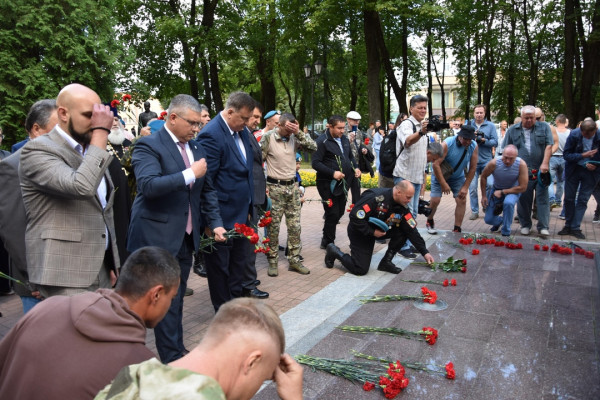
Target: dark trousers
[[169, 331], [332, 215], [358, 261], [225, 267], [250, 270], [4, 267], [576, 202]]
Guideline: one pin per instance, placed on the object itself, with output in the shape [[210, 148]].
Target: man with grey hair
[[534, 142], [226, 140], [175, 200], [40, 120], [42, 114]]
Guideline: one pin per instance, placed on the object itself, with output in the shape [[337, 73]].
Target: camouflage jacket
[[154, 380]]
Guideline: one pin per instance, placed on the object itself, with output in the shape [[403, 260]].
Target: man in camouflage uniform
[[279, 148], [244, 333], [390, 207]]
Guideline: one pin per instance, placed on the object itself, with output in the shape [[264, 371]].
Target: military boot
[[273, 270], [386, 263], [333, 253], [299, 268]]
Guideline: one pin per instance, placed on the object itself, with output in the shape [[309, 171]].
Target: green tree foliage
[[47, 45]]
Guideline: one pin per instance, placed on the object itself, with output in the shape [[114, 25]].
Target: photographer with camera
[[411, 150], [510, 180], [486, 139]]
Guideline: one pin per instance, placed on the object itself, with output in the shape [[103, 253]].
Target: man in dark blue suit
[[175, 198], [229, 157]]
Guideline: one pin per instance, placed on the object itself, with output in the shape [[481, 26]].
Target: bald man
[[68, 196], [243, 346]]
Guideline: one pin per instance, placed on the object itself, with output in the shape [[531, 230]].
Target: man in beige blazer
[[68, 195]]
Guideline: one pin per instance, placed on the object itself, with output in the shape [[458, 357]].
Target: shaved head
[[75, 105]]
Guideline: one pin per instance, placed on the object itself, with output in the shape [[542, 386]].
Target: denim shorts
[[454, 183]]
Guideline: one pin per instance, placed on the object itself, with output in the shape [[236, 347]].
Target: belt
[[557, 156], [280, 181]]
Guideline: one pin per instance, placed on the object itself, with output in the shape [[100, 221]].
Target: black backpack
[[387, 152]]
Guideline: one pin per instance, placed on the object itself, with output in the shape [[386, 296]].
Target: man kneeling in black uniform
[[378, 210]]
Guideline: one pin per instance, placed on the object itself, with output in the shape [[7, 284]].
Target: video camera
[[479, 136], [435, 124], [424, 207]]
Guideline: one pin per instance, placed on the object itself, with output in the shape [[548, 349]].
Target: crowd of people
[[72, 231]]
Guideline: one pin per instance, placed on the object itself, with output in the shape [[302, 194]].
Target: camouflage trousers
[[285, 200]]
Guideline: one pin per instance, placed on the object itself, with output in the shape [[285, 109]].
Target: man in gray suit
[[40, 120], [68, 196]]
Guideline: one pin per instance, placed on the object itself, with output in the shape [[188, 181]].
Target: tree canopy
[[506, 53]]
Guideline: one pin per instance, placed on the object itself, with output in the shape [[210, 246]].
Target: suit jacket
[[12, 219], [573, 150], [160, 210], [231, 174], [65, 238], [260, 182], [19, 145]]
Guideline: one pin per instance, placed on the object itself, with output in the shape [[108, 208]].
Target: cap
[[298, 157], [270, 114], [156, 125], [353, 115], [467, 131]]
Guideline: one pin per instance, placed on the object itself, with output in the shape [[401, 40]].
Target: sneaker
[[564, 231], [495, 228], [554, 205], [474, 216], [596, 219], [407, 254], [578, 234], [430, 225], [188, 292], [561, 217], [525, 231], [544, 233]]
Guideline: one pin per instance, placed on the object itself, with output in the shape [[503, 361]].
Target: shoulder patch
[[410, 220], [366, 208], [360, 214]]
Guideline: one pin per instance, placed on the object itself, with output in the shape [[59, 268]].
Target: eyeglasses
[[194, 124], [538, 118]]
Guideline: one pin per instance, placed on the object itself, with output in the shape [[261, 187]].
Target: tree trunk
[[373, 61], [429, 75], [402, 99], [206, 80], [441, 81], [511, 73], [354, 76], [469, 83]]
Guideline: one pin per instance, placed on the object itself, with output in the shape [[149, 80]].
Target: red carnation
[[445, 283], [350, 207], [536, 247], [450, 373], [126, 97], [368, 386], [545, 247], [463, 269], [475, 252], [329, 203], [266, 240], [519, 246], [367, 141], [589, 254], [453, 282], [464, 261], [470, 240], [115, 103]]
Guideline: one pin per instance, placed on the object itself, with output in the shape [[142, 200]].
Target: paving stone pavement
[[309, 294]]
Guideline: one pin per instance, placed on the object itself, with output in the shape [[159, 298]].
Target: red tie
[[186, 161]]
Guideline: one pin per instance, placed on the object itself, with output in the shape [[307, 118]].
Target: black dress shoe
[[200, 270], [564, 231], [256, 293]]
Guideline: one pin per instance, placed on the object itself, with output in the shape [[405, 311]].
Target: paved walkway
[[290, 290]]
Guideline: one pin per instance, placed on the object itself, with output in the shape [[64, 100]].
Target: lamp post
[[307, 73]]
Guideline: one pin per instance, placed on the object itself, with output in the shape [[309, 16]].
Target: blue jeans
[[575, 209], [508, 212], [28, 303], [377, 159], [413, 205], [474, 188], [525, 204], [557, 171]]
